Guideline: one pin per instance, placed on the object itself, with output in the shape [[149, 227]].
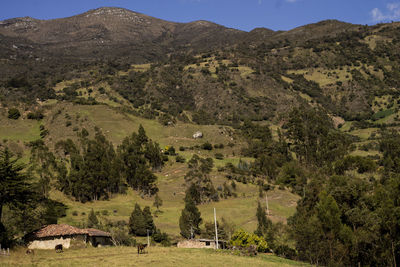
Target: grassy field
[[65, 120], [127, 256], [241, 210]]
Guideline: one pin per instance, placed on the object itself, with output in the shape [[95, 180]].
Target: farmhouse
[[201, 243], [68, 236]]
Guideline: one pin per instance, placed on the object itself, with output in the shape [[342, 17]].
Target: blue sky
[[239, 14]]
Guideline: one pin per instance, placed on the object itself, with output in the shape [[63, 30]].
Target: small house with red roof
[[48, 237]]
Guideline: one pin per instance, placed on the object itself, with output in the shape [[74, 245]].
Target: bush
[[219, 156], [13, 113], [286, 252], [207, 146], [104, 212], [180, 159], [169, 150], [243, 240], [121, 237], [37, 115], [74, 213], [162, 238]]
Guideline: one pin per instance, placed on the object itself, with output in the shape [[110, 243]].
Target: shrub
[[180, 159], [162, 238], [244, 240], [104, 212], [13, 113], [207, 146], [37, 115], [219, 156]]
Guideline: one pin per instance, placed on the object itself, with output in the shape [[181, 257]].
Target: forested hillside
[[98, 113]]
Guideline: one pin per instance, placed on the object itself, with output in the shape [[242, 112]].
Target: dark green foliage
[[207, 146], [15, 188], [314, 138], [93, 171], [141, 221], [361, 164], [92, 221], [22, 208], [293, 174], [37, 115], [157, 202], [190, 219], [162, 238], [14, 114], [225, 230], [264, 225], [136, 155], [201, 188], [137, 222], [180, 159]]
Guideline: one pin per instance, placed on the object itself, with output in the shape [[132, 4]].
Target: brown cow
[[30, 251], [140, 248], [59, 248]]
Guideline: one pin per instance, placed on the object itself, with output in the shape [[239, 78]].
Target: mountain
[[213, 73], [117, 32]]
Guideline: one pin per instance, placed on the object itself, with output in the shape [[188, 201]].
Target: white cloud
[[392, 12]]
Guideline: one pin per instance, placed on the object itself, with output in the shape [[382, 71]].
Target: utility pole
[[148, 238], [266, 200], [191, 232], [216, 228]]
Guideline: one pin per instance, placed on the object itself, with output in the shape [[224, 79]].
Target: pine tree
[[142, 137], [15, 188], [264, 224], [157, 202], [92, 219], [148, 218], [190, 219], [137, 222]]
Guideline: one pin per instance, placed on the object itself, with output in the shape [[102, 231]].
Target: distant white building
[[201, 243], [197, 135]]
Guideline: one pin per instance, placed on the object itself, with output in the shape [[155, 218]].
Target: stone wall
[[195, 244], [51, 243]]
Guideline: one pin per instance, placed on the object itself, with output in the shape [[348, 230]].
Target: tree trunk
[[394, 256]]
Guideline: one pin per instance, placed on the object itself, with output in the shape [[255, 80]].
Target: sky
[[239, 14]]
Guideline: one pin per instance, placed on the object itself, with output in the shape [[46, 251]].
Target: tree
[[157, 202], [134, 161], [94, 172], [315, 140], [264, 225], [190, 219], [148, 218], [92, 219], [200, 186], [137, 222], [15, 188], [14, 114]]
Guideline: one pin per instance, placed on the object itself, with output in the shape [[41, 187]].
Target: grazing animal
[[59, 248], [140, 248], [30, 251]]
